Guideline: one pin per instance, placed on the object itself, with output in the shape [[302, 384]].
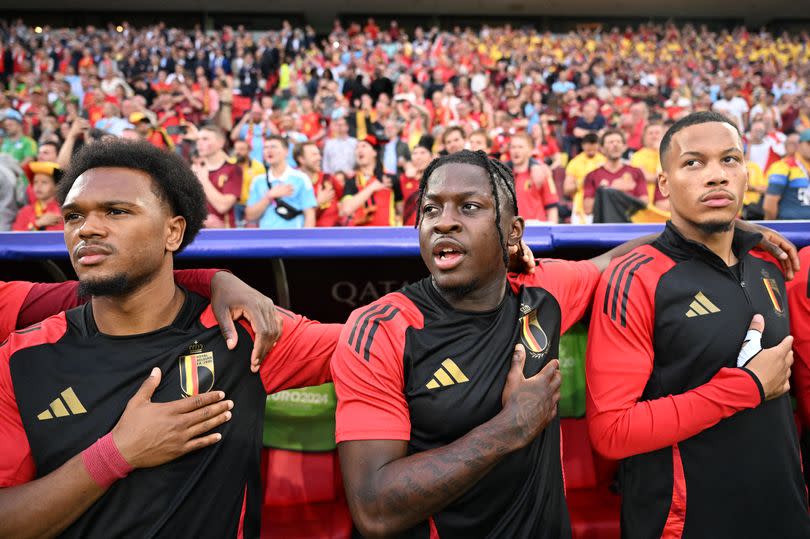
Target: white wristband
[[750, 348]]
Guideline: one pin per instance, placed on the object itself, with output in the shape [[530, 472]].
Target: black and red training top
[[410, 367], [703, 454]]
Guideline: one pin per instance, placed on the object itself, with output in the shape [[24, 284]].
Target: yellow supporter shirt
[[756, 178], [248, 173], [579, 167], [647, 160]]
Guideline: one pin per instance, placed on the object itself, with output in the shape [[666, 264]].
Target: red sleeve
[[368, 372], [798, 291], [549, 193], [300, 358], [24, 220], [619, 362], [589, 186], [337, 184], [17, 465], [12, 300], [48, 299], [196, 280], [570, 282]]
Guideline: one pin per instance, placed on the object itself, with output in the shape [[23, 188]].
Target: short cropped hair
[[282, 140], [590, 138], [172, 180], [696, 118], [609, 132]]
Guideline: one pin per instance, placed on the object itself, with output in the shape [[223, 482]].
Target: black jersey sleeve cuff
[[759, 384]]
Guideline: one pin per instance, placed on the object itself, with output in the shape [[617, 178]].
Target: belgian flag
[[614, 206]]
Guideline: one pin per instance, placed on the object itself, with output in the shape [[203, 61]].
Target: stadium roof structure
[[320, 13]]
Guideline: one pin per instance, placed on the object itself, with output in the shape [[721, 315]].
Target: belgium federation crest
[[774, 294], [196, 371], [533, 336]]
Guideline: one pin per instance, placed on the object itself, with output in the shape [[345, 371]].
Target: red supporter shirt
[[328, 214], [27, 216], [602, 177], [228, 181], [311, 124], [380, 209], [534, 202], [23, 304], [410, 193], [798, 292]]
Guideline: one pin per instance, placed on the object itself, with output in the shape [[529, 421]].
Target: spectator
[[111, 121], [395, 152], [10, 173], [370, 197], [480, 141], [764, 102], [636, 123], [221, 180], [146, 130], [328, 189], [48, 151], [614, 173], [752, 200], [760, 148], [788, 194], [250, 169], [590, 122], [15, 142], [248, 77], [253, 128], [339, 150], [733, 106], [453, 139], [580, 166], [44, 213], [534, 187], [421, 156], [283, 197], [647, 158]]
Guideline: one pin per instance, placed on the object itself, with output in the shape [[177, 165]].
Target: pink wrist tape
[[104, 462]]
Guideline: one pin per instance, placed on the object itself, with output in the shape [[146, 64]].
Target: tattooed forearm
[[408, 490]]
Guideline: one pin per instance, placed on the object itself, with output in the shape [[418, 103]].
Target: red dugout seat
[[303, 496], [593, 508]]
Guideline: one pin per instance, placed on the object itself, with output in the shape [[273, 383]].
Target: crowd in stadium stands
[[288, 129]]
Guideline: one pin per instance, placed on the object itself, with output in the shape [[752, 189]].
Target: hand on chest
[[701, 317], [456, 367]]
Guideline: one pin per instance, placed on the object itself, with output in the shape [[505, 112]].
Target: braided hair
[[499, 176]]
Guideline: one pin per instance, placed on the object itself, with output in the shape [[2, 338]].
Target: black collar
[[672, 241]]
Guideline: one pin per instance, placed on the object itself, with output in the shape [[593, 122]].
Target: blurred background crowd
[[287, 128]]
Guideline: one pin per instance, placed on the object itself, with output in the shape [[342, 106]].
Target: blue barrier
[[357, 242]]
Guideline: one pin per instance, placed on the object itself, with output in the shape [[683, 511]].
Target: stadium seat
[[303, 496], [303, 490], [593, 507]]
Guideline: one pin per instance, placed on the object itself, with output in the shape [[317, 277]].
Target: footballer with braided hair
[[448, 388]]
